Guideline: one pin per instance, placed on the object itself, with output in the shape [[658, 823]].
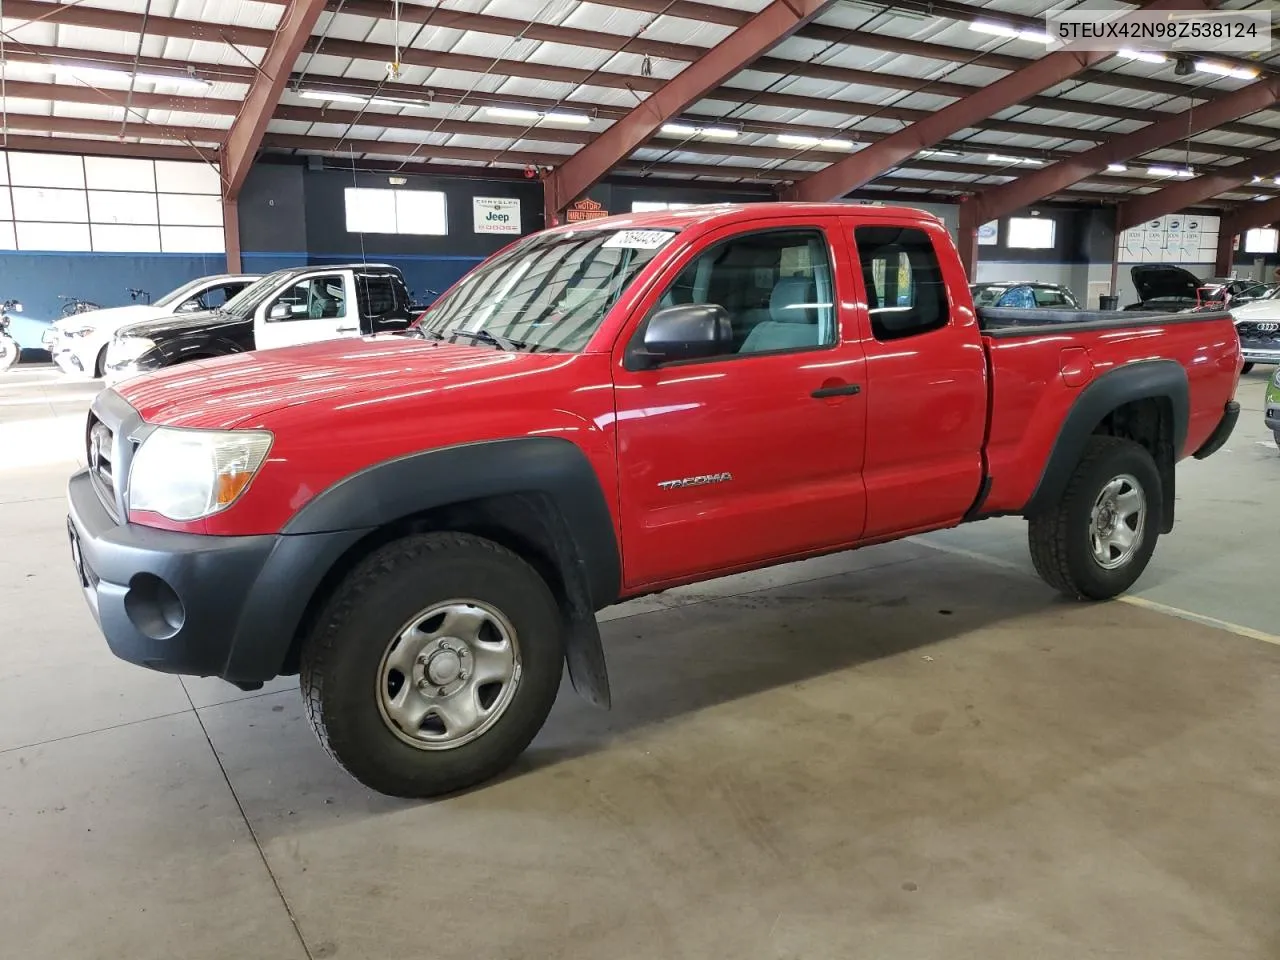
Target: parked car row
[[232, 313]]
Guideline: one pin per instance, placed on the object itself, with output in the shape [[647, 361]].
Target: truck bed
[[1040, 361], [1010, 321]]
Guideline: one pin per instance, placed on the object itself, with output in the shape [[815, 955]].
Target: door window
[[315, 298], [776, 287], [905, 292], [1053, 297]]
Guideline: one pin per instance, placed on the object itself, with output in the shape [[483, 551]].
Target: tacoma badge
[[701, 481]]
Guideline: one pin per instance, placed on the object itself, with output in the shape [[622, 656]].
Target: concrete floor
[[897, 753]]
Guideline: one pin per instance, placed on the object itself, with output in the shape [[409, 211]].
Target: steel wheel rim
[[448, 674], [1117, 522]]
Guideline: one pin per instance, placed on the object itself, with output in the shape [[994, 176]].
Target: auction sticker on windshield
[[639, 239]]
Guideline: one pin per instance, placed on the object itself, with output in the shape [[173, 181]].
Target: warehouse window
[[1261, 240], [418, 212], [71, 203], [1030, 233], [651, 206]]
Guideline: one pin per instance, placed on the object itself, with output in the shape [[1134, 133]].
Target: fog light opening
[[154, 607]]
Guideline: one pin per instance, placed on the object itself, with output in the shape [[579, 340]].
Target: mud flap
[[584, 655]]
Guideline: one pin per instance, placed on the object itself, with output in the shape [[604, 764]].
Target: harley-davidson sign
[[586, 209]]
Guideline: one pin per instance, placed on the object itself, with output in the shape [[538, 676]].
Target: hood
[[108, 317], [227, 391], [1257, 310], [172, 324], [1155, 281]]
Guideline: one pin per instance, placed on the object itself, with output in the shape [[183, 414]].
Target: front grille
[[1259, 330], [100, 455]]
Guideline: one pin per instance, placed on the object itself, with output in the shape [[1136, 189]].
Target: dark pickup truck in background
[[286, 308]]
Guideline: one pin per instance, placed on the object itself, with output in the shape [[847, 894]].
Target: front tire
[[1246, 368], [434, 664], [1099, 538], [9, 352]]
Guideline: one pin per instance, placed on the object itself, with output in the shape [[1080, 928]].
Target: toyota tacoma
[[423, 525]]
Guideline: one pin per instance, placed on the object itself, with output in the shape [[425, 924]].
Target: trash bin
[[1108, 302]]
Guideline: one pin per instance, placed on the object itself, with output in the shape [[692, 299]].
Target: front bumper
[[191, 604]]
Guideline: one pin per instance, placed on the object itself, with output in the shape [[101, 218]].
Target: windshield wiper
[[497, 340]]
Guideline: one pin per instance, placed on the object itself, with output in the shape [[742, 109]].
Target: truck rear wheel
[[1246, 368], [433, 665], [1098, 539]]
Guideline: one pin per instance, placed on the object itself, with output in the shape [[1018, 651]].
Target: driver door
[[312, 308]]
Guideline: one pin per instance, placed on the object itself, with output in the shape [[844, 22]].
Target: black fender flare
[[1146, 379], [544, 484]]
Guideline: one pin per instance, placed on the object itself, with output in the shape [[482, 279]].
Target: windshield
[[548, 293], [177, 296], [247, 300], [986, 296]]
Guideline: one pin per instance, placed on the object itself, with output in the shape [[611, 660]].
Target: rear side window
[[377, 295], [905, 292]]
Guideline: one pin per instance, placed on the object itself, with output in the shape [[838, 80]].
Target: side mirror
[[279, 311], [17, 307], [689, 331], [190, 306]]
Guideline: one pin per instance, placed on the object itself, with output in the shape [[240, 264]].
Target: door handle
[[840, 390], [347, 329]]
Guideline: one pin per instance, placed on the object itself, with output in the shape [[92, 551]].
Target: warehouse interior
[[913, 750]]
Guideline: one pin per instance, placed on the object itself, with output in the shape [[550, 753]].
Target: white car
[[79, 343], [1258, 324]]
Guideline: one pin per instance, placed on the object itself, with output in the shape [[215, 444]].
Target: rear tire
[[398, 673], [1246, 368], [1100, 536], [1276, 435], [100, 364]]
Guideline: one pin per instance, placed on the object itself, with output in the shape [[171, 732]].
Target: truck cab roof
[[712, 215]]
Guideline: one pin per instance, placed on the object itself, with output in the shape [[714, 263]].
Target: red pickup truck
[[424, 525]]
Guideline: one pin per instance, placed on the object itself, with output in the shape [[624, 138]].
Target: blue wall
[[37, 279]]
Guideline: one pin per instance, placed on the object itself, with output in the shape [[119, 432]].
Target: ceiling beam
[[1188, 193], [1249, 215], [79, 15], [834, 181], [109, 130], [998, 201], [442, 18], [109, 148], [245, 136], [766, 29]]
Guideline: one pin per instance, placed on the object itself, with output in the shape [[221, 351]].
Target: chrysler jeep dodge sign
[[496, 214]]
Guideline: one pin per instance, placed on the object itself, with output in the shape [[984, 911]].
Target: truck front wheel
[[433, 665], [1098, 539]]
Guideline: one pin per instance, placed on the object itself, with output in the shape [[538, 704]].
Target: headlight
[[1275, 379], [129, 349], [189, 474], [78, 331]]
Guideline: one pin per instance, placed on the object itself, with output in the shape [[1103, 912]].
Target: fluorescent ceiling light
[[1170, 172], [1001, 158], [1226, 70], [535, 116], [89, 74], [1117, 167], [995, 29], [692, 130], [363, 101], [1004, 30], [799, 140], [559, 116], [939, 153], [1143, 55]]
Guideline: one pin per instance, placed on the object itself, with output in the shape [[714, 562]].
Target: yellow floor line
[[1141, 602]]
